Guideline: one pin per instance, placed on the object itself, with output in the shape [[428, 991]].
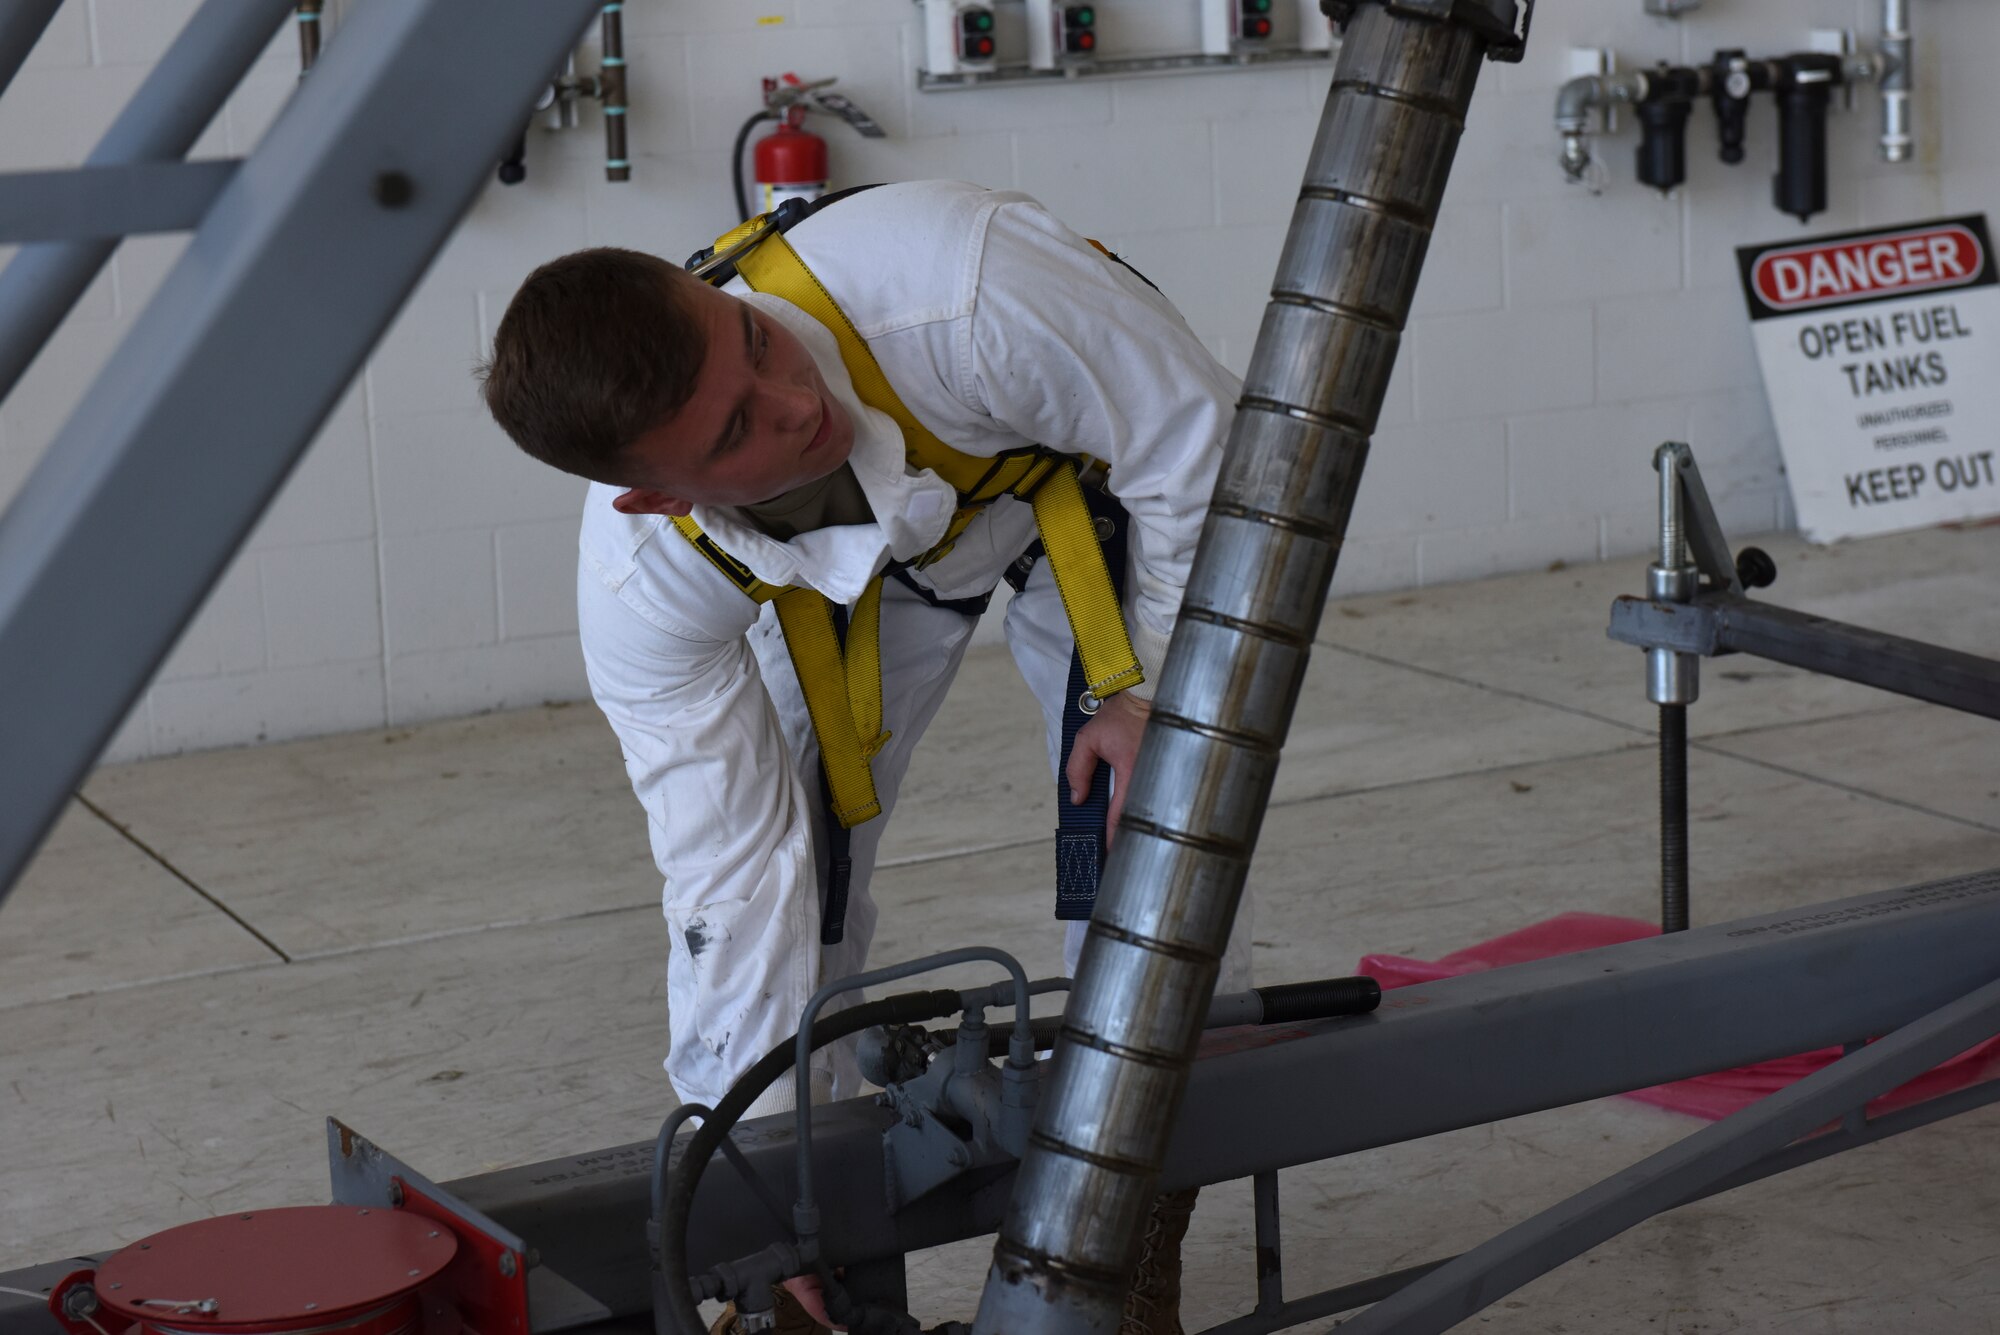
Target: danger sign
[[1881, 360]]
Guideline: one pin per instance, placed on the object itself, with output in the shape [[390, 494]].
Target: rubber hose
[[908, 1008], [736, 164], [1287, 1003]]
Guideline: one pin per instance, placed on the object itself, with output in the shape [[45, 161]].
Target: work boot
[[793, 1319], [1153, 1307]]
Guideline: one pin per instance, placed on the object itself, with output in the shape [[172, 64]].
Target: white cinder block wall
[[415, 567]]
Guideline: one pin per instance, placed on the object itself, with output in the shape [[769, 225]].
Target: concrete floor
[[448, 937]]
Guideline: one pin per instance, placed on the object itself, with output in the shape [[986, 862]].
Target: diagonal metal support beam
[[147, 492], [165, 116], [1494, 1269], [22, 23], [109, 202]]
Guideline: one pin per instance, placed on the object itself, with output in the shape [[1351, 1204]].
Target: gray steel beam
[[1720, 624], [1532, 1248], [145, 495], [1290, 471], [98, 202], [165, 116], [1434, 1058], [22, 23]]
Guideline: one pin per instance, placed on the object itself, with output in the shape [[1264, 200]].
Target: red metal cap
[[296, 1268]]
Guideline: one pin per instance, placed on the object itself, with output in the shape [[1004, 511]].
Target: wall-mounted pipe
[[611, 87], [307, 17], [1897, 81]]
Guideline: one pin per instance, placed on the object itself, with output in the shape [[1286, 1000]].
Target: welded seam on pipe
[[1233, 849], [1155, 1057], [1346, 426], [1061, 1266], [1332, 194], [1422, 102], [1371, 319], [1186, 954], [1261, 630], [1304, 527], [1111, 1163], [1242, 741]]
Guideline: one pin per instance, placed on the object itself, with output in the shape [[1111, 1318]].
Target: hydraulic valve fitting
[[1731, 81]]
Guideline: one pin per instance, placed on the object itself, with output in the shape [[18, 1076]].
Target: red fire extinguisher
[[791, 161]]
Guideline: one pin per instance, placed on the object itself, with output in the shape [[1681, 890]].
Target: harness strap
[[807, 619], [1088, 586], [1081, 827], [1051, 481]]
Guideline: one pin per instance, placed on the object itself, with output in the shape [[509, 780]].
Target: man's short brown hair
[[595, 349]]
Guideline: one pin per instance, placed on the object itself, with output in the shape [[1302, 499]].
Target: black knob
[[1755, 568], [514, 167]]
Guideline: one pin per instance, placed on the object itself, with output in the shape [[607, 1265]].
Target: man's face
[[760, 422]]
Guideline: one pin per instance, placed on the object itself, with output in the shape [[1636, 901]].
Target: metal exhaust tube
[[1392, 121]]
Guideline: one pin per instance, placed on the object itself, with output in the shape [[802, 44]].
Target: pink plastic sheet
[[1710, 1096]]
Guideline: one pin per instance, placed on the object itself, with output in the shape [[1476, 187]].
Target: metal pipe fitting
[[1579, 97], [1316, 382], [1897, 81]]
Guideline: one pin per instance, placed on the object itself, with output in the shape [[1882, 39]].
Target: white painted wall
[[415, 567]]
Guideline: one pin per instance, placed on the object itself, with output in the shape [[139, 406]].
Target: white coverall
[[999, 328]]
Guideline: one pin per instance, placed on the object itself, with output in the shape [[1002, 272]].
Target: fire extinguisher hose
[[736, 162]]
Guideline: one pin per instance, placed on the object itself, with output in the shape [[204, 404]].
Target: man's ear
[[642, 501]]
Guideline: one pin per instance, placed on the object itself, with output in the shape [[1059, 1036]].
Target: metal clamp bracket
[[1503, 23]]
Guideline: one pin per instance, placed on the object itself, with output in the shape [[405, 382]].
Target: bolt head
[[507, 1266], [393, 189]]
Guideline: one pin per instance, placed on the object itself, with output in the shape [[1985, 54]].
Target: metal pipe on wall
[[161, 122], [611, 86], [308, 18], [1376, 175], [1897, 81]]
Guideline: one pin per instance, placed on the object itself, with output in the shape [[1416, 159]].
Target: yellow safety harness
[[843, 685]]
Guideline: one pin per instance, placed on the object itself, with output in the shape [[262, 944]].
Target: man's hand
[[811, 1295], [1113, 737]]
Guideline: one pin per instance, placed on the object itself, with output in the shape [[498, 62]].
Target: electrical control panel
[[959, 38], [985, 43]]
